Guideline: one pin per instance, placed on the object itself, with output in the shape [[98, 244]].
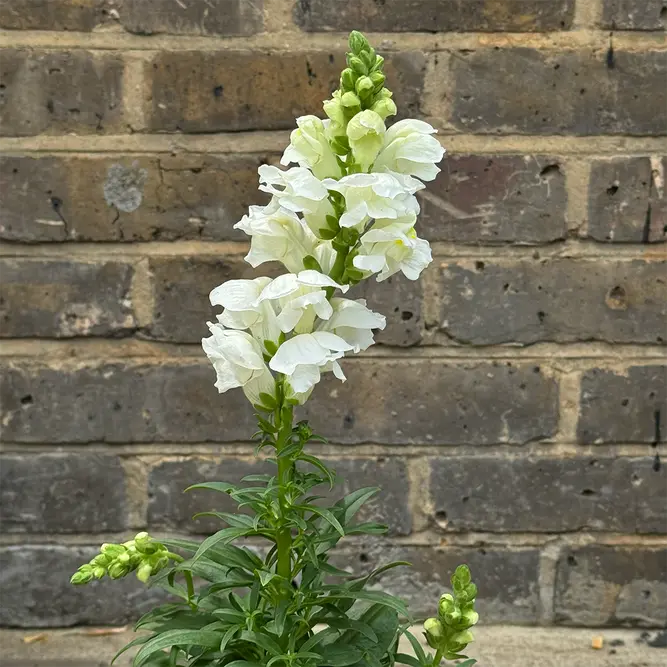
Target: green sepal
[[310, 263]]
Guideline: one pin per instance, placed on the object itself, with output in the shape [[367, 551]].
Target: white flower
[[243, 310], [410, 149], [366, 133], [303, 358], [309, 147], [277, 235], [333, 108], [353, 322], [375, 196], [299, 299], [238, 362], [297, 190], [391, 246]]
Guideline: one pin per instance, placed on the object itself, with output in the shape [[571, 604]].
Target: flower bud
[[459, 641], [384, 107], [102, 560], [461, 576], [364, 87], [366, 134], [99, 572], [347, 79], [357, 65], [81, 576], [144, 572], [358, 42], [123, 558], [446, 605], [470, 618], [112, 550], [379, 63], [434, 632], [118, 570], [350, 100], [368, 56], [378, 80], [452, 617]]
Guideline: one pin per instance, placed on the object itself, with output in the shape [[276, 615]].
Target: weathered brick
[[161, 199], [566, 300], [37, 592], [63, 299], [79, 15], [195, 91], [507, 579], [54, 92], [633, 14], [430, 402], [115, 402], [623, 407], [434, 15], [559, 92], [181, 287], [169, 507], [62, 493], [496, 199], [391, 402], [214, 17], [548, 494], [612, 585], [400, 301], [627, 201]]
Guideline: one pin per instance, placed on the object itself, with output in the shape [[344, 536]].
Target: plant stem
[[438, 658], [284, 417], [338, 269]]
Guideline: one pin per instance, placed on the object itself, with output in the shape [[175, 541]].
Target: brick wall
[[515, 407]]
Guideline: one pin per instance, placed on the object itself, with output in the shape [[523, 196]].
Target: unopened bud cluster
[[142, 554], [449, 633]]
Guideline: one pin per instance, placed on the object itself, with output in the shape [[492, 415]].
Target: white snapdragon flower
[[366, 135], [244, 310], [238, 362], [410, 149], [299, 299], [353, 322], [375, 196], [278, 234], [309, 147], [391, 246], [303, 358], [298, 191]]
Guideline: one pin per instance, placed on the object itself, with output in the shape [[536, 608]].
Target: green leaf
[[327, 234], [408, 660], [467, 663], [237, 520], [337, 655], [263, 641], [135, 642], [222, 487], [221, 538], [354, 501], [165, 640], [369, 596], [310, 263], [325, 514], [314, 461], [366, 529]]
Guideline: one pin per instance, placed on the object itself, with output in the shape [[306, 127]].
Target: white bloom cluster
[[347, 212]]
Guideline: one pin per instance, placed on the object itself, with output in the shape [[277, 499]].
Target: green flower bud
[[452, 618], [358, 42], [112, 550], [364, 87], [124, 558], [368, 57], [349, 235], [146, 544], [434, 632], [461, 576], [118, 570], [471, 591], [470, 618], [459, 641], [102, 560], [144, 572], [447, 604], [357, 65], [99, 572], [81, 576], [350, 100], [384, 108], [378, 80], [347, 79], [379, 63]]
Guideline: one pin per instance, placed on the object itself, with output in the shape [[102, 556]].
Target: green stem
[[284, 417], [338, 269], [438, 658]]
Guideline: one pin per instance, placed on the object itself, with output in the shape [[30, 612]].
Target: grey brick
[[430, 402], [169, 507], [180, 197], [37, 592], [213, 17], [62, 493], [391, 402], [564, 300], [623, 407], [627, 202], [548, 494], [194, 91], [54, 92], [63, 299], [506, 578], [493, 199], [612, 585], [633, 14], [559, 92], [434, 15], [79, 15]]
